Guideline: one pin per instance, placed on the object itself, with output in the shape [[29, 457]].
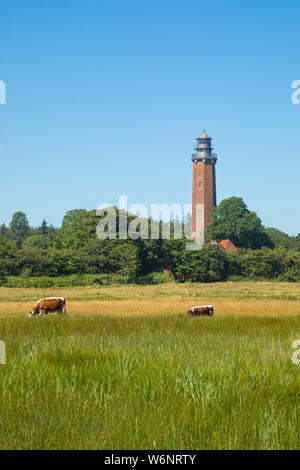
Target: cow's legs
[[43, 311]]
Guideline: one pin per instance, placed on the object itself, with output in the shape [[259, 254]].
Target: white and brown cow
[[205, 310], [51, 304]]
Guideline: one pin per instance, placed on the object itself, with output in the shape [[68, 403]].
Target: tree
[[40, 237], [264, 263], [8, 260], [205, 265], [36, 241], [235, 262], [232, 219], [78, 226], [281, 239], [34, 261], [43, 229], [2, 279], [19, 228], [4, 231]]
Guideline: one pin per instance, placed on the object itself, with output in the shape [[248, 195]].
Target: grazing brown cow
[[52, 304], [199, 310]]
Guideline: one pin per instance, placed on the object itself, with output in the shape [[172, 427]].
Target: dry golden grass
[[175, 306], [259, 290], [247, 298]]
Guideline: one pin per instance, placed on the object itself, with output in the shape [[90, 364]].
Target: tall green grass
[[149, 383]]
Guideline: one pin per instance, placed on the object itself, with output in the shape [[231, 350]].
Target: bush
[[2, 280], [44, 281], [261, 264], [234, 263], [205, 265], [236, 278], [154, 279], [291, 275]]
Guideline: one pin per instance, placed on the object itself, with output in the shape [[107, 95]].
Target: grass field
[[128, 369]]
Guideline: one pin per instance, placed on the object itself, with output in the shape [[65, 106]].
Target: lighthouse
[[204, 185]]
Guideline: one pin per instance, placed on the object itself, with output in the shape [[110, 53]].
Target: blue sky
[[106, 97]]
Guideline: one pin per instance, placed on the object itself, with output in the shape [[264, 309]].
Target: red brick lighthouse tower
[[204, 185]]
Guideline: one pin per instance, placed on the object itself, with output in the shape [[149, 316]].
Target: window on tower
[[200, 174], [200, 185]]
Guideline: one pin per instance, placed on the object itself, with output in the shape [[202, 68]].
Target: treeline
[[73, 254]]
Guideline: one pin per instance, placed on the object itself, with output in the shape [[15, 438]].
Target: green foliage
[[74, 280], [8, 257], [34, 261], [37, 241], [277, 264], [290, 275], [154, 279], [234, 259], [261, 264], [208, 264], [78, 227], [4, 231], [19, 228], [43, 229], [3, 279], [232, 219], [74, 250], [283, 240]]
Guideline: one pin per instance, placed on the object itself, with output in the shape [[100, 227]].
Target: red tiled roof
[[228, 245]]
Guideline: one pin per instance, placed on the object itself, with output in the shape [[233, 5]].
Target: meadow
[[126, 368]]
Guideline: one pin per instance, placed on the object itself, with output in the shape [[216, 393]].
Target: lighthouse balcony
[[204, 158]]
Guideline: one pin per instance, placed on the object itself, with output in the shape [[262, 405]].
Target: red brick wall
[[204, 196]]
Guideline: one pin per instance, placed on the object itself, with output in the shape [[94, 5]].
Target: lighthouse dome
[[204, 135]]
